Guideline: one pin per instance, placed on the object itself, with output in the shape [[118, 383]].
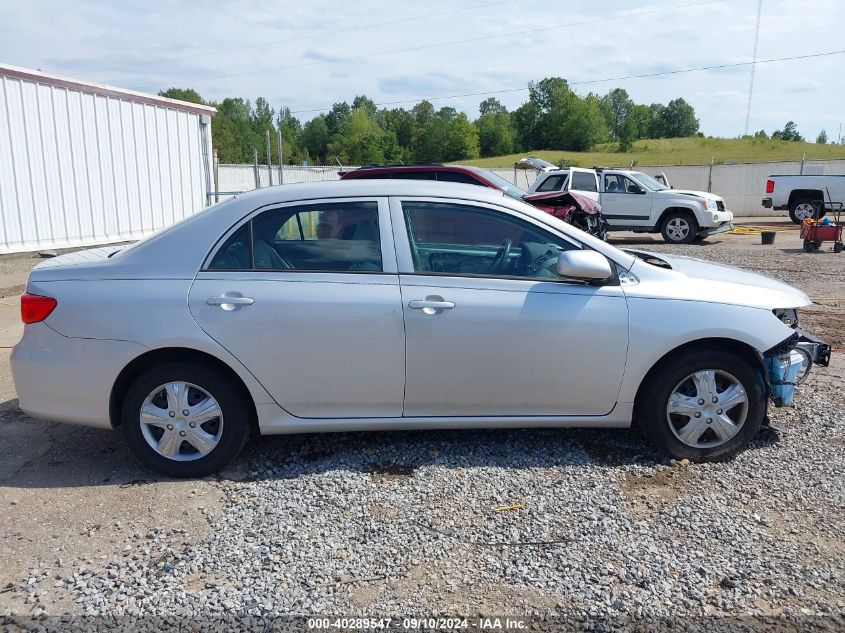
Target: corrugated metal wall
[[78, 168]]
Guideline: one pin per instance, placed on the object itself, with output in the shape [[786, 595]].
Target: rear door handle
[[431, 305], [230, 303]]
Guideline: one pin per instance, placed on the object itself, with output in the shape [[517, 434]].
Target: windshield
[[511, 190], [648, 182]]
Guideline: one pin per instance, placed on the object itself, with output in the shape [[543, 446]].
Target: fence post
[[216, 175], [269, 159], [255, 168], [710, 176], [803, 156], [281, 157]]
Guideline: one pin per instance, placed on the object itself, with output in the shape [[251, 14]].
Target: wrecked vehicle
[[580, 211], [417, 305], [577, 211]]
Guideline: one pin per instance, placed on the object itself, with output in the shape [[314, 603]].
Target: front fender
[[658, 326]]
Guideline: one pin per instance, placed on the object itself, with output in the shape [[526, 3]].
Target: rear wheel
[[800, 210], [703, 405], [184, 419], [679, 227]]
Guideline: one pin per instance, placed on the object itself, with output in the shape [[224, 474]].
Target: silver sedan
[[377, 304]]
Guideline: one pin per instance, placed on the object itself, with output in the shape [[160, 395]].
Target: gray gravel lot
[[576, 523]]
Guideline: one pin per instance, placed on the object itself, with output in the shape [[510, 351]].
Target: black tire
[[798, 208], [236, 418], [655, 392], [683, 218], [837, 247], [808, 246]]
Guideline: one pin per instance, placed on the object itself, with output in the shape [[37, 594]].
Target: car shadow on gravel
[[39, 454]]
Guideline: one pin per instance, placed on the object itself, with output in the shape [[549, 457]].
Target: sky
[[309, 55]]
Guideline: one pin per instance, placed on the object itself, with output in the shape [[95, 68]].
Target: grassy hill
[[681, 151]]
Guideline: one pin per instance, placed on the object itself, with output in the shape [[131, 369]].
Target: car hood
[[698, 280], [691, 192]]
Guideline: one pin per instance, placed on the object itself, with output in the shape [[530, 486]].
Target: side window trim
[[388, 252]]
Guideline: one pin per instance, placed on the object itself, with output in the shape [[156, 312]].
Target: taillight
[[770, 186], [35, 308]]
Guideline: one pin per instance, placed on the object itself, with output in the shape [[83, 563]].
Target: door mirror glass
[[584, 265]]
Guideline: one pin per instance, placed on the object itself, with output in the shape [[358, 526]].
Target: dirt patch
[[647, 494], [388, 472], [826, 322]]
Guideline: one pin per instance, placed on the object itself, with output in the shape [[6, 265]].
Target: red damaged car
[[577, 210]]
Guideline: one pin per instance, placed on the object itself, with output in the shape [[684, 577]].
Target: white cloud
[[305, 62]]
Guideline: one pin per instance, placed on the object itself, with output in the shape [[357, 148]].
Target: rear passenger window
[[455, 176], [583, 181], [415, 175], [235, 253], [333, 237], [553, 183]]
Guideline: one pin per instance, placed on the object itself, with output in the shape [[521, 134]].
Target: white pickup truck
[[804, 196], [634, 201]]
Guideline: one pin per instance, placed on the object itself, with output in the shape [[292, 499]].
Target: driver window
[[457, 239]]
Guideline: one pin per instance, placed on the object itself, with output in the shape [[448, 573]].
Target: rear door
[[306, 296], [583, 181]]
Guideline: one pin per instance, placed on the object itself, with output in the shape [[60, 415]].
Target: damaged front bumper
[[789, 363]]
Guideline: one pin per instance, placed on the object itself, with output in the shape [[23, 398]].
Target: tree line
[[554, 117]]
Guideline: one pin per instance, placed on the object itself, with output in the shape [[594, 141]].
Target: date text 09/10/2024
[[421, 623]]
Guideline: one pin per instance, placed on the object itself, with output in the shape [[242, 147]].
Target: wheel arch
[[673, 209], [746, 351], [805, 194], [162, 355]]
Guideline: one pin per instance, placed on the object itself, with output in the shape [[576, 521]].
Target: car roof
[[367, 187]]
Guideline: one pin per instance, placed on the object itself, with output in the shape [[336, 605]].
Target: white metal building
[[83, 163]]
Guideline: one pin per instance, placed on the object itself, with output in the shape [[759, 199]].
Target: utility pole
[[281, 157], [753, 66], [269, 158]]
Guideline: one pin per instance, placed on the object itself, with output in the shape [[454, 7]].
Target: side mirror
[[585, 265], [635, 189]]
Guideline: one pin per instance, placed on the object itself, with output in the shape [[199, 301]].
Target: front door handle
[[229, 303], [431, 305]]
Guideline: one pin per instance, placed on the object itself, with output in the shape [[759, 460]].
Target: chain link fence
[[742, 185]]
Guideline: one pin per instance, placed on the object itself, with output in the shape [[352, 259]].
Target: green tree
[[362, 141], [679, 119], [403, 125], [656, 123], [448, 135], [495, 134], [821, 139], [491, 105], [527, 122], [362, 102], [788, 133], [182, 94], [627, 133], [617, 107], [315, 139]]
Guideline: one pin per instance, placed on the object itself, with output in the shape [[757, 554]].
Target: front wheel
[[702, 405], [679, 227], [184, 419]]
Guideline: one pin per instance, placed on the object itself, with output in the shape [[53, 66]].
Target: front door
[[624, 202], [307, 297], [491, 330]]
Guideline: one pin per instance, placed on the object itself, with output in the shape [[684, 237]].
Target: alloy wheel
[[805, 210], [677, 229]]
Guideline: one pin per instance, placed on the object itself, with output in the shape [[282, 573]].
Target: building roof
[[70, 83]]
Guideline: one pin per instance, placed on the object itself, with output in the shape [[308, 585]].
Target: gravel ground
[[579, 524]]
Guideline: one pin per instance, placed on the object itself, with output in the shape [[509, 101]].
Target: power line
[[753, 65], [301, 37], [604, 80], [483, 38]]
